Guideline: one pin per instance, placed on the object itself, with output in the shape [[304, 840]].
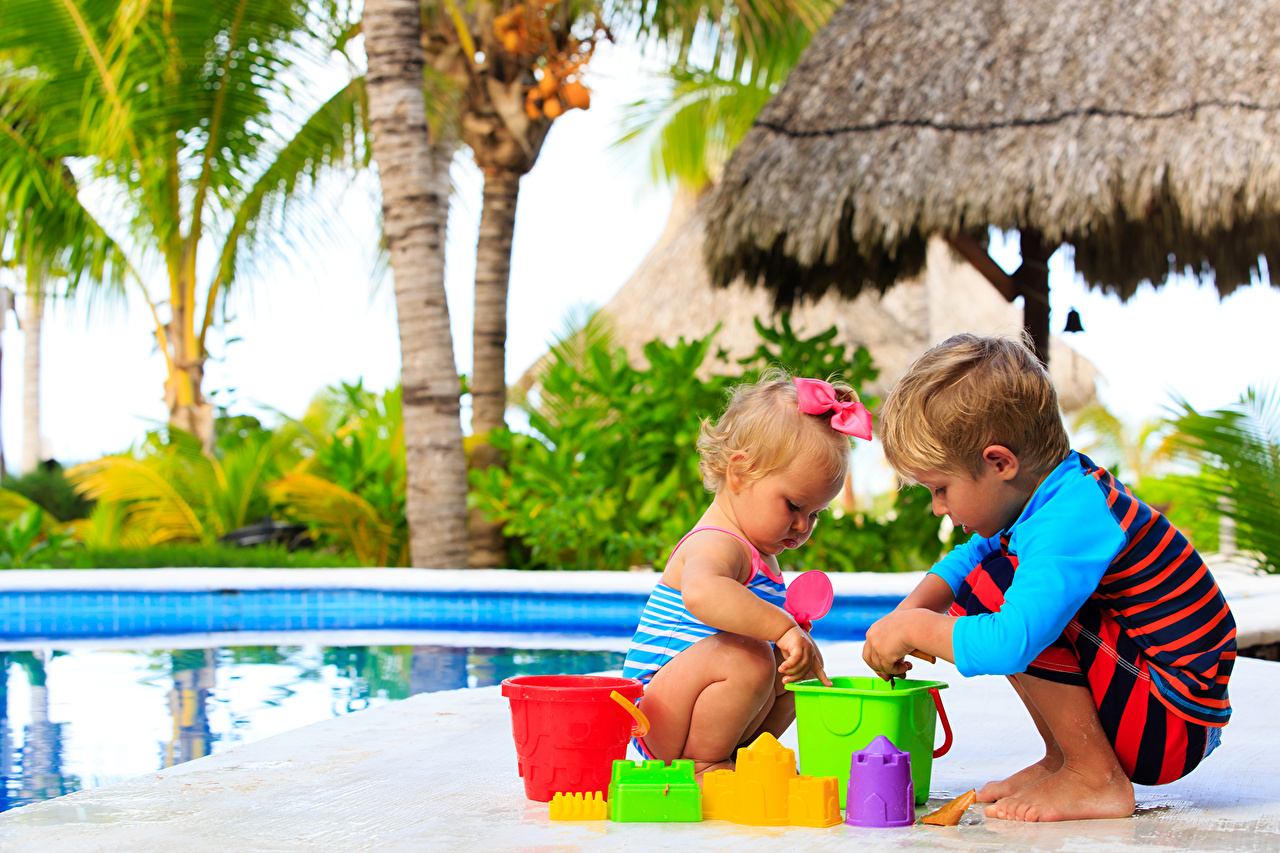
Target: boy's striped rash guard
[[1082, 535]]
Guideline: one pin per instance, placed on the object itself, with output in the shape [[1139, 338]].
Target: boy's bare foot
[[1068, 795], [1020, 781]]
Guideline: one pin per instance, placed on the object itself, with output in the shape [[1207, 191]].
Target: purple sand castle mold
[[880, 789]]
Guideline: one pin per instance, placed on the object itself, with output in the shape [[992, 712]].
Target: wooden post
[[1032, 280]]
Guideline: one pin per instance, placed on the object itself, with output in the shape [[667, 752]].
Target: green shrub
[[28, 542], [48, 487], [349, 486], [904, 538], [1238, 449], [610, 479], [204, 556]]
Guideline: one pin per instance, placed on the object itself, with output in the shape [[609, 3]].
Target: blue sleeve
[[960, 561], [1063, 551]]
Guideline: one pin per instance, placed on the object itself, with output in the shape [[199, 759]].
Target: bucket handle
[[946, 725], [642, 722]]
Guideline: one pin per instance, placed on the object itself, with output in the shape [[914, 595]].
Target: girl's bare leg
[[1051, 763], [778, 713], [1090, 783], [708, 699]]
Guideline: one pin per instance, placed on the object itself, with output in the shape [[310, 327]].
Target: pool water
[[84, 718]]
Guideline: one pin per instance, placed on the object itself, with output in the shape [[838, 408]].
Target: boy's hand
[[801, 658], [887, 646]]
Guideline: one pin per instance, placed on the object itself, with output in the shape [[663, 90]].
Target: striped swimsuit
[[667, 627], [1153, 639]]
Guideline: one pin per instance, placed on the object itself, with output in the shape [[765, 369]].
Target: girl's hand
[[801, 658], [886, 647]]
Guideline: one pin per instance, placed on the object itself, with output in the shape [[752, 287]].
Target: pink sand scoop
[[809, 596]]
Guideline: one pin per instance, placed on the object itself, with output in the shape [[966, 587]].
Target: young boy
[[1103, 617]]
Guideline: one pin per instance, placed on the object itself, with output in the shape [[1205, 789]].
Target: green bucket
[[834, 722]]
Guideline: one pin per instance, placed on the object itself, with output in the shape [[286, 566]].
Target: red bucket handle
[[946, 725]]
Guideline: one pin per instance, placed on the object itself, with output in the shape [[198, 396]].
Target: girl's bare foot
[[1068, 795], [1023, 779], [700, 767]]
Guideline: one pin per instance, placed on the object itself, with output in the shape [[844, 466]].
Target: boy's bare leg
[[1090, 783], [701, 703], [1024, 778]]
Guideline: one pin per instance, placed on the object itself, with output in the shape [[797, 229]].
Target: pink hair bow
[[818, 397]]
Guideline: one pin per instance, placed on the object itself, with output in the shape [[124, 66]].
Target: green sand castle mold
[[654, 792]]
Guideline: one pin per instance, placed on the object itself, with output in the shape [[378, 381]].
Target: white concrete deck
[[438, 772]]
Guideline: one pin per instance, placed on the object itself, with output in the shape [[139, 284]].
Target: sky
[[587, 216]]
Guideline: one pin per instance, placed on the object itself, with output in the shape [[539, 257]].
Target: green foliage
[[167, 490], [713, 93], [1130, 453], [28, 543], [47, 486], [1238, 448], [905, 538], [611, 478], [203, 556], [339, 470], [349, 485], [192, 124], [818, 357]]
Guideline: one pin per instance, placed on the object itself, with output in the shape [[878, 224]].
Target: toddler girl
[[715, 646]]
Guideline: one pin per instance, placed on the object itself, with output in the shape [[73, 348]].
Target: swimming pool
[[113, 603], [109, 674], [75, 718]]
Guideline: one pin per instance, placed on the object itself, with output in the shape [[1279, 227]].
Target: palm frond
[[690, 132], [108, 527], [335, 135], [1239, 450], [163, 494], [346, 519]]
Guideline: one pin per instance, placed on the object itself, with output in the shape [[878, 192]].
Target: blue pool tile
[[26, 615]]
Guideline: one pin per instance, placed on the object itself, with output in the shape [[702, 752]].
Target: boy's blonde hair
[[763, 422], [966, 394]]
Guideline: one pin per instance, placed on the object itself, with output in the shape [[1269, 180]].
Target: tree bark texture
[[32, 451], [415, 215], [489, 342]]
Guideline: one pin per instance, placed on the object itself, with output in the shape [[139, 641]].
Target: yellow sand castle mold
[[579, 806], [814, 801], [764, 790]]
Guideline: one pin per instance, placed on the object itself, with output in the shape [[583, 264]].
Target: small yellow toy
[[579, 806]]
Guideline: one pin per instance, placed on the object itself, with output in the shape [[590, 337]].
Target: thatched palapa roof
[[670, 296], [1146, 135]]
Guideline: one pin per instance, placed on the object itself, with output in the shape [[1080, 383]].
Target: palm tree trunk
[[32, 454], [489, 343], [188, 409], [414, 220]]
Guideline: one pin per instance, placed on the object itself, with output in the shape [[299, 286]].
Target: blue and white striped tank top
[[667, 628]]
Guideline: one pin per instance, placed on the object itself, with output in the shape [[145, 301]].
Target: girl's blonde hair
[[966, 394], [763, 430]]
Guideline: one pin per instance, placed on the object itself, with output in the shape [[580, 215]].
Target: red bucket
[[568, 730]]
